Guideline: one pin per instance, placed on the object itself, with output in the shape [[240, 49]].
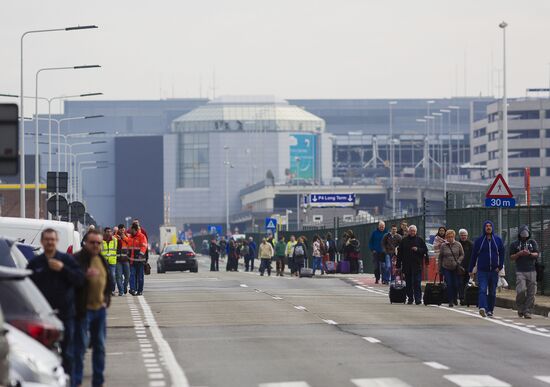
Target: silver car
[[4, 350]]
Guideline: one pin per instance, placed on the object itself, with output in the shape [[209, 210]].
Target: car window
[[22, 298], [172, 248]]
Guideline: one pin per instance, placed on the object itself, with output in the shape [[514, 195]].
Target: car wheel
[[195, 269], [160, 270]]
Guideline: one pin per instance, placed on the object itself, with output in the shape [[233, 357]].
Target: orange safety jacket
[[136, 247]]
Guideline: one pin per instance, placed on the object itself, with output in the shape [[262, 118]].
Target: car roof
[[12, 273]]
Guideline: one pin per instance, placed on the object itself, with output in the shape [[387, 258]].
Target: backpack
[[323, 248], [299, 251]]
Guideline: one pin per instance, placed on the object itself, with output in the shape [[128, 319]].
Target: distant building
[[528, 142]]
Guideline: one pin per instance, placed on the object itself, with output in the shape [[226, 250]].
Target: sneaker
[[527, 316], [418, 302], [520, 315], [377, 282], [113, 294], [410, 302], [489, 314], [451, 305], [455, 302], [120, 294], [140, 293], [482, 312]]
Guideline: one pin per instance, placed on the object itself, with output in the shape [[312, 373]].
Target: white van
[[29, 230]]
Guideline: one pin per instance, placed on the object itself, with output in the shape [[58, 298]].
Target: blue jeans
[[386, 274], [67, 345], [112, 272], [136, 277], [317, 264], [122, 276], [453, 281], [488, 281], [413, 282], [90, 329]]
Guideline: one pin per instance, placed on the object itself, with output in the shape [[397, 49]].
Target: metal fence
[[536, 217]]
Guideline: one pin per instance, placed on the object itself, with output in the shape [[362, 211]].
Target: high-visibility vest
[[109, 251]]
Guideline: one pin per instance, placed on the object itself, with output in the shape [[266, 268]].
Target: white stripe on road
[[157, 383], [542, 330], [476, 381], [371, 290], [115, 353], [379, 382], [285, 384], [538, 332], [330, 322], [545, 379], [372, 340], [177, 375], [277, 298], [244, 286], [299, 307], [436, 365]]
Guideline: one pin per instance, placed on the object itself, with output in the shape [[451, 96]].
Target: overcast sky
[[290, 48]]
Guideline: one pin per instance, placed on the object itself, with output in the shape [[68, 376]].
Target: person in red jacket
[[137, 249]]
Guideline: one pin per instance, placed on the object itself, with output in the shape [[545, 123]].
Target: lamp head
[[503, 25]]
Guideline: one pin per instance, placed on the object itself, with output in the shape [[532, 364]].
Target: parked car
[[32, 364], [177, 258], [26, 308], [11, 255], [4, 351], [29, 231]]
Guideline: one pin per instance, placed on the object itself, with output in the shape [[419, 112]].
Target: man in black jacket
[[57, 275], [412, 250], [92, 301], [214, 255]]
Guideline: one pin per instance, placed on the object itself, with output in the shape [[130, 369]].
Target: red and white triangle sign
[[499, 189]]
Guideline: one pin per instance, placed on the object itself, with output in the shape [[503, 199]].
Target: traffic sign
[[499, 189], [9, 133], [215, 229], [57, 182], [77, 210], [500, 203], [58, 207], [332, 200], [270, 224]]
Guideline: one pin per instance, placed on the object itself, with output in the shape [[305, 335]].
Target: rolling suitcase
[[435, 292], [471, 294], [330, 267], [343, 267], [305, 271], [398, 291]]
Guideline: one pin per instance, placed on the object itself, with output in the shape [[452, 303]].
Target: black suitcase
[[435, 292], [471, 294], [305, 272], [398, 292]]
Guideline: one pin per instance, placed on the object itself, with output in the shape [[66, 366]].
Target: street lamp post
[[297, 159], [504, 141], [392, 159], [22, 199], [457, 108], [439, 144], [37, 150], [227, 164]]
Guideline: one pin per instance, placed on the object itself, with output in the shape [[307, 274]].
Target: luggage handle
[[440, 278]]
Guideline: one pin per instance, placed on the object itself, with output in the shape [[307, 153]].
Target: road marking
[[277, 298], [507, 320], [156, 376], [285, 384], [538, 332], [531, 326], [379, 382], [244, 286], [520, 324], [545, 379], [177, 375], [436, 365], [115, 354], [299, 307], [330, 322], [157, 383], [370, 290], [372, 340], [476, 381]]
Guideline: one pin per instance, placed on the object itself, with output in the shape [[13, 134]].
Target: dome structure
[[248, 114]]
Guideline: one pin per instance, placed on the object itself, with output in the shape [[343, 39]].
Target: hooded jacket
[[487, 253], [83, 259], [375, 241], [525, 263]]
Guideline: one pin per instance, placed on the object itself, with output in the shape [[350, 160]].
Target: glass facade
[[193, 160]]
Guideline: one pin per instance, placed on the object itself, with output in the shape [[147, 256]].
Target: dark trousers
[[214, 263], [249, 263], [265, 265], [92, 330], [280, 264], [413, 278], [379, 262], [232, 264], [137, 276], [453, 281], [291, 265], [67, 346], [354, 266]]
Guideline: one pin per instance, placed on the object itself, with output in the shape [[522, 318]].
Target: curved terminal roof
[[248, 113]]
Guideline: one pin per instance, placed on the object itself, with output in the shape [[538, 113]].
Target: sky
[[289, 48]]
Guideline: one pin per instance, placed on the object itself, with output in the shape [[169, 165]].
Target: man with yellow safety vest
[[109, 250]]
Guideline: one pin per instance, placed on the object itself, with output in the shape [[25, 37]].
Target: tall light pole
[[439, 143], [504, 137], [227, 165], [22, 200], [447, 111], [297, 159], [457, 108], [392, 159], [36, 149]]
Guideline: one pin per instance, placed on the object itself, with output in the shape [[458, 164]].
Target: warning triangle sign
[[499, 189]]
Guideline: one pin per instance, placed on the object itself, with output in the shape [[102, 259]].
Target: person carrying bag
[[451, 255]]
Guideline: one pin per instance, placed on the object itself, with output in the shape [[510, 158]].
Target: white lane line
[[244, 286], [436, 365], [538, 332], [330, 322], [372, 340], [545, 379], [115, 353], [154, 370], [157, 383], [149, 361], [177, 376], [380, 382], [531, 326], [476, 381], [300, 307], [508, 320], [277, 298], [156, 376], [542, 330], [370, 290], [520, 324], [285, 384]]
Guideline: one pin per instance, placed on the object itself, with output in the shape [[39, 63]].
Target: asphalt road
[[241, 329]]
